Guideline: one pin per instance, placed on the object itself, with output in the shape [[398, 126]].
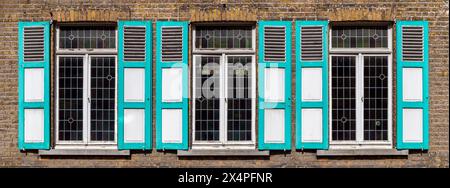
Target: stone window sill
[[219, 152], [361, 152], [84, 152]]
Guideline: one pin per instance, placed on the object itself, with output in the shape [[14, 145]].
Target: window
[[86, 85], [360, 87], [224, 86]]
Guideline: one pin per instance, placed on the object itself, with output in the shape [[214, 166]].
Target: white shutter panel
[[312, 85], [412, 84], [274, 132], [34, 85]]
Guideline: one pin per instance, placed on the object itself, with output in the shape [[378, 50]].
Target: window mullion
[[359, 99], [86, 96], [222, 117], [225, 95]]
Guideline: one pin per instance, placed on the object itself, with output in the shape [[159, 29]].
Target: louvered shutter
[[135, 85], [171, 85], [274, 82], [312, 85], [34, 85], [412, 84]]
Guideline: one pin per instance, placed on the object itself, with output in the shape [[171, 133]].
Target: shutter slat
[[311, 43], [33, 44], [134, 43], [171, 43], [275, 43], [412, 43]]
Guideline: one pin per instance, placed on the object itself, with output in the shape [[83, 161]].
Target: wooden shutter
[[135, 85], [274, 82], [412, 84], [312, 85], [172, 85], [34, 85]]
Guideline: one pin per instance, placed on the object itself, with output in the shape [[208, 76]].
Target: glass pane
[[239, 101], [359, 37], [207, 99], [70, 99], [75, 37], [103, 79], [375, 98], [213, 37], [343, 98]]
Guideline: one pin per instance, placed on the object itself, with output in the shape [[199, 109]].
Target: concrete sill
[[361, 152], [217, 152], [84, 152]]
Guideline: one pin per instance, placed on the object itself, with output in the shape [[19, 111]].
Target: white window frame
[[224, 54], [359, 53], [86, 54]]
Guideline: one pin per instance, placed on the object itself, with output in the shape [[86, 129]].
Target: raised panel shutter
[[172, 85], [34, 85], [274, 82], [135, 85], [311, 85], [412, 84]]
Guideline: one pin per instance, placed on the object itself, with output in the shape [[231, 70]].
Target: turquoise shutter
[[412, 84], [34, 85], [172, 85], [274, 101], [311, 85], [135, 85]]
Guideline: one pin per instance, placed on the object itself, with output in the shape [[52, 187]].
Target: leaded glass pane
[[375, 98], [207, 101], [103, 86], [76, 37], [239, 101], [359, 37], [70, 99], [223, 37], [343, 97]]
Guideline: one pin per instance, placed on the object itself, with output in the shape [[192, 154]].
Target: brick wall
[[436, 12]]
